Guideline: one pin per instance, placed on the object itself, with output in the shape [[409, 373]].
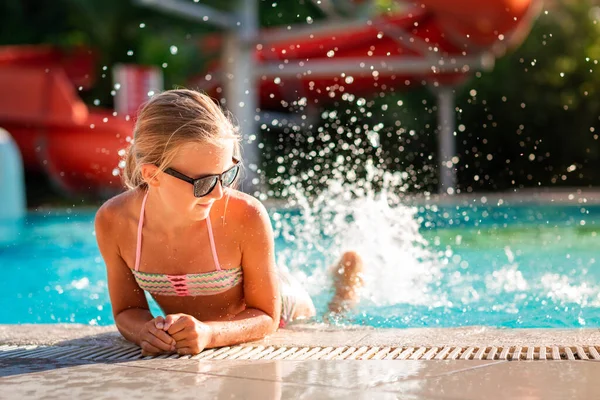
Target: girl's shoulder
[[118, 209], [243, 208], [247, 217]]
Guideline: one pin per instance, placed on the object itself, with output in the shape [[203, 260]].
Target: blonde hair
[[169, 120]]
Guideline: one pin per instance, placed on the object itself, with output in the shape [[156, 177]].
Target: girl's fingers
[[147, 353], [148, 349], [158, 343], [181, 335], [178, 323], [162, 336], [182, 344], [169, 320], [159, 323]]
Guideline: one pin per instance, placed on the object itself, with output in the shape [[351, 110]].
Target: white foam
[[507, 279], [560, 289], [399, 267]]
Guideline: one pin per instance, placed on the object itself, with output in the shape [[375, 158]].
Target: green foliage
[[537, 113], [284, 12]]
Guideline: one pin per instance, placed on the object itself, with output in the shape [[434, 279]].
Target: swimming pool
[[492, 265]]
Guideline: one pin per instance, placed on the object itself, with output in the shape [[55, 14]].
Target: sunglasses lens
[[202, 187], [229, 176]]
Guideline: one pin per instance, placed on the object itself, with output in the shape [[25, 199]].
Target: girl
[[202, 249]]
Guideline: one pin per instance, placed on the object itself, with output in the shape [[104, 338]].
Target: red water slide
[[433, 41], [56, 132]]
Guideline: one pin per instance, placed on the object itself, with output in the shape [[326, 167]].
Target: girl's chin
[[202, 211], [206, 207]]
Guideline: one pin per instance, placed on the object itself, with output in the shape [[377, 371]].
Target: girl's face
[[195, 160]]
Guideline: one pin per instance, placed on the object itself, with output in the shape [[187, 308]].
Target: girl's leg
[[347, 277], [296, 302], [347, 280]]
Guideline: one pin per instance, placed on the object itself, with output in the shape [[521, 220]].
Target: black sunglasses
[[203, 186]]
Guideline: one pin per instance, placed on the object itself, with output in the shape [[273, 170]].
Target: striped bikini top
[[202, 284]]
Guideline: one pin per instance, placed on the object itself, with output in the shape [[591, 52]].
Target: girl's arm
[[261, 289], [130, 308]]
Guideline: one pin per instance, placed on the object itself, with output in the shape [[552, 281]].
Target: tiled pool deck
[[306, 361]]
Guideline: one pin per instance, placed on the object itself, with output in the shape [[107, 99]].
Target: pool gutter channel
[[315, 342], [260, 352]]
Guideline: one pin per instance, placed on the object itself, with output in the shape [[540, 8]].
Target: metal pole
[[195, 12], [361, 65], [446, 140], [241, 93]]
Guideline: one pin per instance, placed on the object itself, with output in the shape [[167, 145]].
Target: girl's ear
[[150, 174]]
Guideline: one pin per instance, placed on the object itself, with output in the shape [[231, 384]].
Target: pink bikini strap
[[212, 244], [139, 233], [139, 238]]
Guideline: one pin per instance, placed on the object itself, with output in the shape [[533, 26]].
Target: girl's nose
[[217, 192]]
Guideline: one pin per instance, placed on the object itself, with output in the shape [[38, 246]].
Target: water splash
[[563, 291], [507, 279], [365, 215]]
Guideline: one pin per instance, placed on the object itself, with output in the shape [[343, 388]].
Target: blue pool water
[[523, 266]]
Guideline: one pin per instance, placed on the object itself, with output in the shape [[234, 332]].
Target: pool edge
[[323, 335]]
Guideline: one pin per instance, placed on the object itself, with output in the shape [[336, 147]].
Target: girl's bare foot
[[347, 279]]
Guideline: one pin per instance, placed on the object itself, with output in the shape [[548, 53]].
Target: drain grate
[[512, 353]]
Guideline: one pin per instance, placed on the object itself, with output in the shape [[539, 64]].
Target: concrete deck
[[48, 374]]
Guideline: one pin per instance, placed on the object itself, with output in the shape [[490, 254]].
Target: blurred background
[[524, 91]]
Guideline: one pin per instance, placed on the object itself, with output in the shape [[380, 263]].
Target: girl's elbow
[[273, 327], [273, 323]]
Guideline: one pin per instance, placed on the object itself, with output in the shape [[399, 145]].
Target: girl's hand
[[191, 336], [154, 340]]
